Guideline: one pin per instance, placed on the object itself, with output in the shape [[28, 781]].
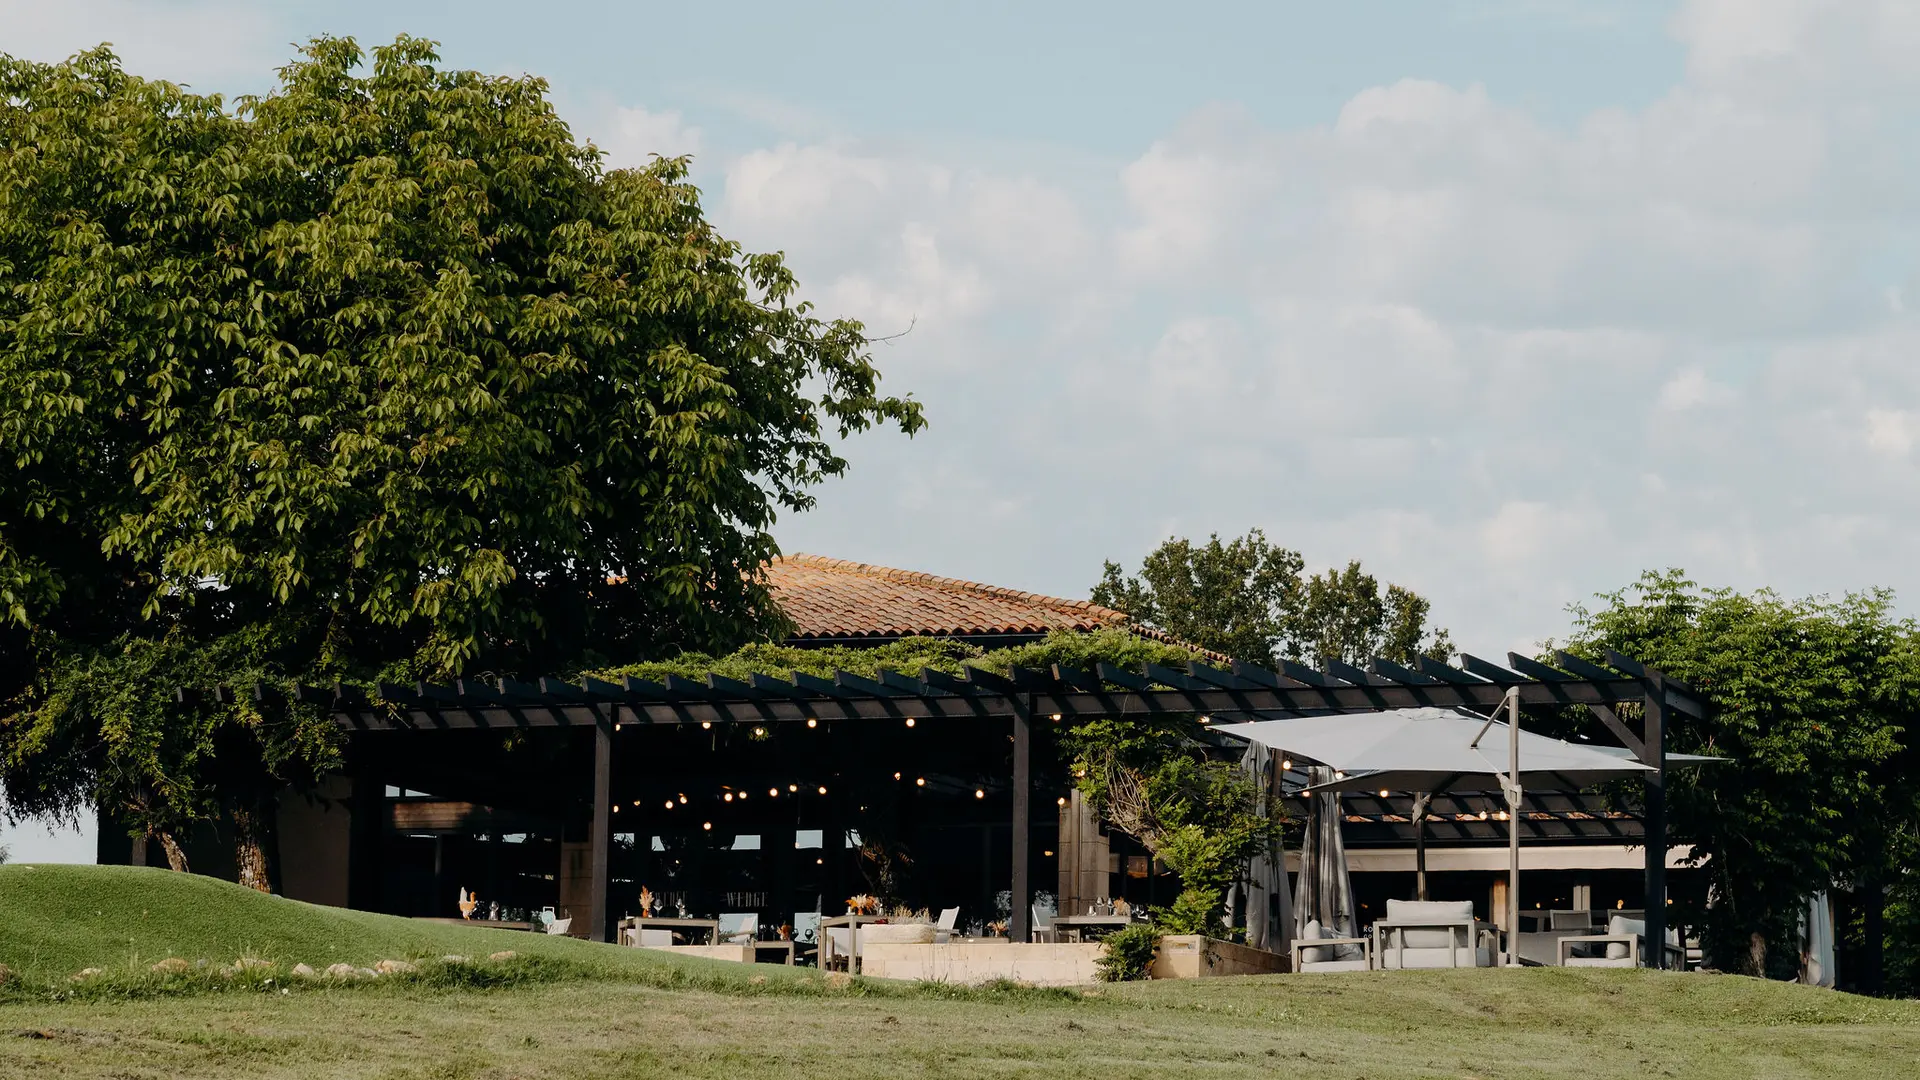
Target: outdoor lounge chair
[[1432, 934], [1624, 945], [738, 928], [560, 926], [1321, 949], [943, 930], [1042, 926]]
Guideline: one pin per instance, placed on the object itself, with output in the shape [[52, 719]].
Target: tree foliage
[[380, 373], [1246, 598], [1814, 702]]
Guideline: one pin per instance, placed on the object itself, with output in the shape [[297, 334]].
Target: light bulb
[[773, 793], [1206, 719], [743, 796], [823, 789], [708, 825], [1056, 718], [909, 721], [706, 724], [616, 808], [683, 798], [1286, 764], [759, 733], [896, 776], [669, 804], [1062, 800], [728, 797], [811, 722], [920, 781], [1383, 793], [979, 793], [793, 787], [1338, 775]]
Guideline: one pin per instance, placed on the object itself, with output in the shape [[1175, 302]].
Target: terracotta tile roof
[[838, 598]]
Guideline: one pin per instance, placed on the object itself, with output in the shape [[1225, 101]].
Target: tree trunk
[[250, 842], [1757, 955], [176, 855]]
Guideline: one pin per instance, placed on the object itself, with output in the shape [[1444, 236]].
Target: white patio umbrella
[[1434, 749]]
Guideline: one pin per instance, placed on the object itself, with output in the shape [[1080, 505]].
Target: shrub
[[1129, 953]]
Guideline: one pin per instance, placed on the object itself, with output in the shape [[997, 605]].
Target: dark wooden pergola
[[1059, 694]]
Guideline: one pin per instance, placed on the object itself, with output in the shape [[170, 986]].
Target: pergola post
[[1020, 919], [366, 826], [1513, 827], [1656, 821], [601, 840]]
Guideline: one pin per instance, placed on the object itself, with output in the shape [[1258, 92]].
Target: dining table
[[1076, 927], [678, 925], [852, 923]]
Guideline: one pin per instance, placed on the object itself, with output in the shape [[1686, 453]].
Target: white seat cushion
[[1416, 912]]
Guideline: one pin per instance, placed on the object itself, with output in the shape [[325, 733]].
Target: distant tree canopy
[[1814, 705], [381, 373], [1246, 598]]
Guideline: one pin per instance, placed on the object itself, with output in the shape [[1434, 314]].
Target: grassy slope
[[55, 920], [617, 1021]]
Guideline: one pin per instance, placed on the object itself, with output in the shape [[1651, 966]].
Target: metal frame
[[1061, 693]]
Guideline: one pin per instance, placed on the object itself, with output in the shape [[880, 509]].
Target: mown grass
[[570, 1009]]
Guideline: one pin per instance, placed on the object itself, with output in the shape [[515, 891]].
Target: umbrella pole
[[1513, 827], [1420, 805]]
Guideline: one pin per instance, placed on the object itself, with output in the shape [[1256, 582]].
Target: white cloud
[[210, 45], [632, 136], [1508, 363]]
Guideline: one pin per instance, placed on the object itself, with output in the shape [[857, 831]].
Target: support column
[[367, 825], [601, 840], [1020, 919], [1656, 821], [1513, 827]]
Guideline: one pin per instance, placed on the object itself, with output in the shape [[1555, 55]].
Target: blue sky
[[1510, 299]]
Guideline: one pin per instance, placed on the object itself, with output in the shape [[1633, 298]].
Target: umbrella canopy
[[1434, 749]]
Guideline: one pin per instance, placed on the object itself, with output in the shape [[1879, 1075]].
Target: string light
[[707, 825], [1206, 719], [1287, 764], [909, 721], [1062, 800], [919, 781], [823, 789], [1383, 793], [743, 796], [759, 733], [1338, 775], [773, 793], [979, 793], [1056, 718], [706, 725], [1048, 854], [793, 787], [896, 776], [811, 722], [728, 797], [616, 808], [683, 798]]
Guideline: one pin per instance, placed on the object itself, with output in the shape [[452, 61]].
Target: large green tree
[[1814, 703], [1246, 597], [380, 373]]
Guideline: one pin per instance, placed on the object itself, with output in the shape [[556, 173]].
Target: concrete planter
[[983, 961], [1192, 956], [896, 934]]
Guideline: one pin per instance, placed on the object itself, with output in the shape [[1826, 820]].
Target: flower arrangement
[[905, 914], [646, 902], [863, 904], [997, 928]]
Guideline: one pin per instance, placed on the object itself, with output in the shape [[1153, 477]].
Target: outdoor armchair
[[1624, 945], [943, 930], [1321, 949], [738, 928], [1432, 934]]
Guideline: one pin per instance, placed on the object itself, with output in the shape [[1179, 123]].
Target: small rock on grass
[[504, 954], [85, 973], [838, 980], [172, 965], [342, 971], [453, 960], [394, 967], [303, 971]]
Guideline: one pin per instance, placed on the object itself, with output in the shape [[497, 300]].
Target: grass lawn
[[597, 1011]]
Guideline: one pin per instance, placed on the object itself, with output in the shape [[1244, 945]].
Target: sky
[[1509, 299]]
